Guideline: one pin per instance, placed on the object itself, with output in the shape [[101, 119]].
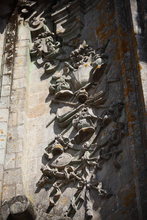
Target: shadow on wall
[[6, 8], [141, 19]]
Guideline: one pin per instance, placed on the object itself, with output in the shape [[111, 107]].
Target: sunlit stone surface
[[73, 109]]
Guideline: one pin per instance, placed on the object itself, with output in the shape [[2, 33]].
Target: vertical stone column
[[3, 115], [7, 47], [12, 183]]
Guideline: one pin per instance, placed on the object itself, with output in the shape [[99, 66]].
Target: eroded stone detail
[[46, 49], [92, 126], [18, 207]]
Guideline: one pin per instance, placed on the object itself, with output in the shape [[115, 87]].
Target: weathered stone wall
[[139, 12], [3, 125], [25, 112], [8, 39]]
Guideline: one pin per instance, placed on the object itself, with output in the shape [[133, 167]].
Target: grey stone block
[[6, 90], [3, 128], [8, 191], [20, 72], [22, 43], [9, 161], [1, 172], [19, 189], [19, 83], [4, 102], [4, 115], [20, 61], [6, 80], [3, 140], [2, 156], [18, 160], [12, 176], [22, 51]]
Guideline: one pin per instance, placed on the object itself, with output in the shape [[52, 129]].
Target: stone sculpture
[[77, 75]]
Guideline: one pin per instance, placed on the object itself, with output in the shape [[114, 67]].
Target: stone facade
[[73, 110]]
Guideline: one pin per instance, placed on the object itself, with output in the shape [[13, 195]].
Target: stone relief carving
[[88, 137], [45, 48]]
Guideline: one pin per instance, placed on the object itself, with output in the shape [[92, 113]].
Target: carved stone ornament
[[92, 126]]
